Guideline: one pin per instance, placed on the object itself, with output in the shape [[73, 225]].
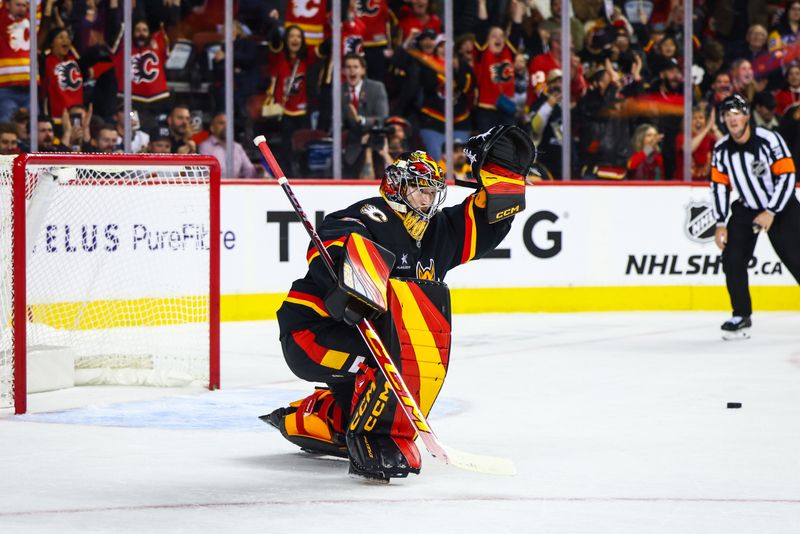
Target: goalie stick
[[464, 460]]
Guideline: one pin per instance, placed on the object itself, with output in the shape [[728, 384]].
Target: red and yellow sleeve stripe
[[314, 253], [470, 231], [335, 359], [310, 301]]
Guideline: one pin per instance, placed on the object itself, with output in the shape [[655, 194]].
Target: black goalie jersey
[[455, 235]]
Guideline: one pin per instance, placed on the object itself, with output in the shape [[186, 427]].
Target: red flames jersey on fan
[[375, 16], [494, 75], [15, 46], [353, 37], [281, 69], [539, 68], [148, 65], [64, 83], [311, 16]]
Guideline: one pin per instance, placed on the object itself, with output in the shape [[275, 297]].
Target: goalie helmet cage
[[115, 257]]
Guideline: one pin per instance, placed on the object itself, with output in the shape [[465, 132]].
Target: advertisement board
[[89, 246], [576, 247]]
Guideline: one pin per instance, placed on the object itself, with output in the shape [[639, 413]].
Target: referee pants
[[784, 236]]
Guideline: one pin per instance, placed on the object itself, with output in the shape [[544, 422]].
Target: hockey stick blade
[[490, 465], [454, 457]]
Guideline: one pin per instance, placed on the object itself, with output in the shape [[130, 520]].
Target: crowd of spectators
[[626, 71]]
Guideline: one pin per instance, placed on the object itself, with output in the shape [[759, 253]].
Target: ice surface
[[617, 423]]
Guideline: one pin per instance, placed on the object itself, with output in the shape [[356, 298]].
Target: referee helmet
[[734, 103]]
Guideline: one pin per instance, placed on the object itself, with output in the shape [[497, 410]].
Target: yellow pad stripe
[[316, 252], [424, 346], [314, 426]]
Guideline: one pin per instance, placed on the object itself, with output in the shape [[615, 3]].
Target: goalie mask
[[414, 188]]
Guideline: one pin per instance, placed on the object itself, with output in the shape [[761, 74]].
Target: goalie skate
[[379, 458], [736, 328], [313, 424]]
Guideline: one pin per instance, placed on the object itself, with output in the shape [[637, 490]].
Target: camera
[[378, 133], [75, 119], [383, 130]]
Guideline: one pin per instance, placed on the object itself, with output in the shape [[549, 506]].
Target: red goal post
[[110, 261]]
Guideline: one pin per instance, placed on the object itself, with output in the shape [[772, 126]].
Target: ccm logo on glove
[[507, 213]]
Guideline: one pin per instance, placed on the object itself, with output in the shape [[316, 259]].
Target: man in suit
[[365, 106]]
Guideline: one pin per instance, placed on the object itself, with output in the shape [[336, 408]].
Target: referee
[[758, 165]]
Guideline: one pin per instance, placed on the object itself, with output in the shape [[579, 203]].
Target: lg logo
[[553, 245]]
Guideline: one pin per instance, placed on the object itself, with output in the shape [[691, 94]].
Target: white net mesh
[[117, 268], [6, 283]]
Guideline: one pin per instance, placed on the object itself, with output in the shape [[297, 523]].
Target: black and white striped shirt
[[761, 170]]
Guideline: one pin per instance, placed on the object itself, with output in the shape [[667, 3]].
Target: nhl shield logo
[[700, 222]]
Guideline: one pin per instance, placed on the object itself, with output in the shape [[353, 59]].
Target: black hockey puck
[[734, 405]]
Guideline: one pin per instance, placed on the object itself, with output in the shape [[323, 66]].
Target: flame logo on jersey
[[426, 273], [306, 8], [374, 213], [367, 8], [19, 35], [145, 66], [68, 75], [502, 72], [297, 84], [353, 44]]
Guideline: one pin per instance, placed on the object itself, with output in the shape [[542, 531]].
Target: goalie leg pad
[[416, 332], [315, 423]]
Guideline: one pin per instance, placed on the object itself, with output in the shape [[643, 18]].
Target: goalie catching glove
[[500, 160]]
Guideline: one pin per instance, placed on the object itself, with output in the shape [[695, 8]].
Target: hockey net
[[109, 262]]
